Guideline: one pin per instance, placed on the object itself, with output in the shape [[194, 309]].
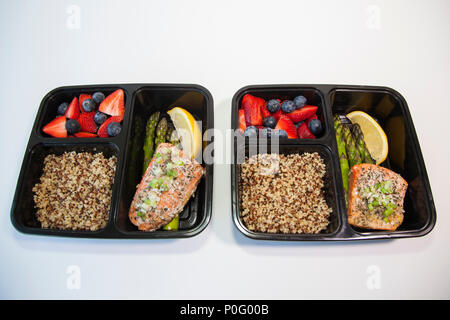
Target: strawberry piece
[[252, 110], [302, 114], [85, 135], [56, 128], [73, 110], [83, 97], [102, 131], [277, 114], [242, 124], [87, 123], [265, 113], [114, 104], [284, 123], [304, 133]]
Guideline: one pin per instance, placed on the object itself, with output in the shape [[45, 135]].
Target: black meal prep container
[[390, 109], [141, 100]]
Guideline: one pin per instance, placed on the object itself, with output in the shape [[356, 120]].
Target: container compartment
[[23, 213], [330, 192], [146, 101], [404, 157], [54, 98], [285, 92]]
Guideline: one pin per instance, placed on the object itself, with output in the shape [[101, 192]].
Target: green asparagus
[[361, 145], [149, 146], [353, 155], [343, 160], [173, 137], [161, 130], [134, 153], [173, 225], [169, 133]]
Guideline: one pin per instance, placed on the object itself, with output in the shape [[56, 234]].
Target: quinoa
[[74, 192], [283, 193]]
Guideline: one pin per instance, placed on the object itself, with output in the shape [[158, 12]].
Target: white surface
[[224, 46]]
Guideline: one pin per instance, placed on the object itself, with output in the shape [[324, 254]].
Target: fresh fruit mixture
[[89, 116], [288, 119]]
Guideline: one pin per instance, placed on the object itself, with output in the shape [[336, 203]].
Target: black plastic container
[[141, 100], [390, 109]]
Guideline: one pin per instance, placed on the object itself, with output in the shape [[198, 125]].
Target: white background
[[225, 46]]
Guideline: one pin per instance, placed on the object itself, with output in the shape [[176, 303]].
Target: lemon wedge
[[188, 131], [374, 136]]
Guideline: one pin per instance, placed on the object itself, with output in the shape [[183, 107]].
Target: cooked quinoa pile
[[74, 192], [284, 193]]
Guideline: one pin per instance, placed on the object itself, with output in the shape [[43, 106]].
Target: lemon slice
[[188, 130], [374, 136]]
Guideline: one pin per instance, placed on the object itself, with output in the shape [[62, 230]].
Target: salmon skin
[[376, 196], [167, 185]]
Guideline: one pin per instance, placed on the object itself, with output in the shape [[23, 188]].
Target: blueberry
[[273, 105], [72, 126], [288, 106], [88, 105], [62, 108], [113, 129], [100, 117], [98, 97], [251, 131], [266, 132], [270, 122], [315, 126], [281, 134], [299, 102]]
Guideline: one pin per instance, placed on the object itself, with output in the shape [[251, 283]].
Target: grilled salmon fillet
[[376, 197], [167, 185]]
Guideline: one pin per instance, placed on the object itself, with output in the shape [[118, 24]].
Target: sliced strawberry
[[265, 113], [252, 110], [56, 128], [242, 124], [102, 131], [304, 133], [114, 104], [284, 123], [87, 123], [302, 114], [83, 97], [73, 110], [277, 114], [85, 135]]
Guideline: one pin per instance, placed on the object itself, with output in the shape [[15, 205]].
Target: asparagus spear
[[161, 130], [343, 160], [135, 147], [173, 137], [173, 225], [169, 133], [149, 146], [353, 155], [164, 133], [361, 145]]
